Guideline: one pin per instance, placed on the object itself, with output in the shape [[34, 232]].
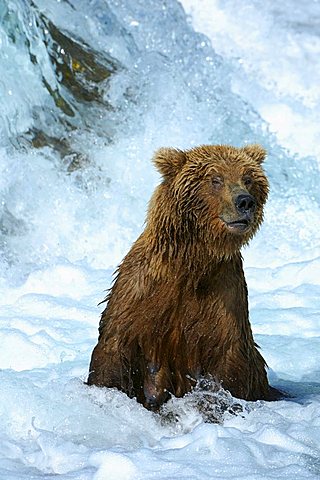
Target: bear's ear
[[256, 152], [169, 161]]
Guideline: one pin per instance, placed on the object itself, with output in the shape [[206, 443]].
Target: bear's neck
[[181, 257]]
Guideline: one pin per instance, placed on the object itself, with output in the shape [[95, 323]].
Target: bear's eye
[[217, 182], [247, 180]]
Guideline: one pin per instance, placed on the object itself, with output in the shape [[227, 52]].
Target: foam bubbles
[[113, 466]]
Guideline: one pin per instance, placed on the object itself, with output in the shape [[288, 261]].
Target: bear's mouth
[[238, 225]]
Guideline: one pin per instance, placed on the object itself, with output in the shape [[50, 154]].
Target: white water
[[62, 234]]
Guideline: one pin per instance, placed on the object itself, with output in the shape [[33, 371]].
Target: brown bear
[[178, 309]]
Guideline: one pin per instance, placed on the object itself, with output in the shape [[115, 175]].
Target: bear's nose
[[245, 203]]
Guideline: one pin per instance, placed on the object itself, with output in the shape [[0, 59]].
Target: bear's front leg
[[155, 386], [107, 368]]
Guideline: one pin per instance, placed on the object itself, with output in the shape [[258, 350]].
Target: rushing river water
[[89, 89]]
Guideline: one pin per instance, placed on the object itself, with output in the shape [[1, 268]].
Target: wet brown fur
[[178, 309]]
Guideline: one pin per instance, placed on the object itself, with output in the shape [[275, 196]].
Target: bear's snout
[[245, 204]]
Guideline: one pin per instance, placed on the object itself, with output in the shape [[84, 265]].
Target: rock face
[[178, 310]]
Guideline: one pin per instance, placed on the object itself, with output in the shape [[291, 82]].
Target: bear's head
[[211, 195]]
